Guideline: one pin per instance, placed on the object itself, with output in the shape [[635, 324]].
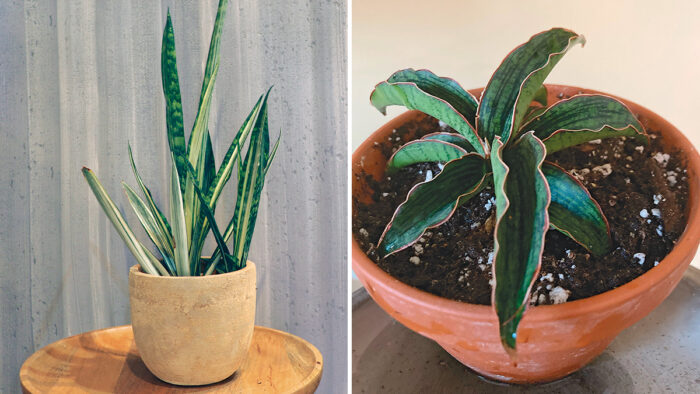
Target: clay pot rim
[[136, 270], [685, 246]]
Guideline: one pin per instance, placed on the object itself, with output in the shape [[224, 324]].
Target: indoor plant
[[553, 340], [193, 317]]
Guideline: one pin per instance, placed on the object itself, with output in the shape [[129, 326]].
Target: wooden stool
[[107, 361]]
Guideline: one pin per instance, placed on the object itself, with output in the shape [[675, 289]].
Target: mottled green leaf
[[411, 96], [444, 88], [522, 198], [430, 204], [517, 80], [584, 118], [420, 151], [173, 103], [574, 212]]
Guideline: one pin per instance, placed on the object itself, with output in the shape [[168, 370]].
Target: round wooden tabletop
[[107, 361]]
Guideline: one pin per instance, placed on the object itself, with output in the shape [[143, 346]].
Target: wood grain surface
[[107, 361]]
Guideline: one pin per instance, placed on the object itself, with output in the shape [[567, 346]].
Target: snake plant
[[503, 139], [195, 182]]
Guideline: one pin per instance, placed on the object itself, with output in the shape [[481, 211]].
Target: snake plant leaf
[[444, 88], [155, 211], [533, 112], [272, 153], [224, 173], [429, 204], [522, 199], [411, 96], [452, 138], [152, 227], [420, 151], [171, 91], [583, 118], [213, 57], [575, 213], [177, 220], [541, 96], [212, 223], [120, 224], [517, 80], [250, 184]]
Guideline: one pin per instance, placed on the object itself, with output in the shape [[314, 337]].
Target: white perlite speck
[[490, 259], [639, 149], [440, 166], [414, 260], [418, 248], [482, 267], [442, 124], [644, 213], [364, 233], [641, 257], [474, 225], [561, 276], [656, 212], [660, 230], [662, 158], [428, 175], [598, 141], [547, 277], [605, 169], [489, 203], [559, 295], [657, 199], [656, 263]]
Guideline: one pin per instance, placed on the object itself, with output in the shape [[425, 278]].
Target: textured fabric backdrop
[[80, 79]]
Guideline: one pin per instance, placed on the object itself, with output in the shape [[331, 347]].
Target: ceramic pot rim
[[136, 270], [685, 246]]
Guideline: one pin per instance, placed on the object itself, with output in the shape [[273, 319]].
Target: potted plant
[[460, 214], [193, 316]]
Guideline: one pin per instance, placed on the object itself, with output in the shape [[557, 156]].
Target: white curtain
[[79, 79]]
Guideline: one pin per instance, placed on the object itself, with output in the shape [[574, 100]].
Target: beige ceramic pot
[[193, 330]]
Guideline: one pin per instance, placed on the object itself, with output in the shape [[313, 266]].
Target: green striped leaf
[[575, 213], [429, 204], [213, 57], [171, 91], [452, 138], [152, 227], [444, 88], [177, 220], [212, 224], [584, 118], [421, 151], [251, 178], [272, 154], [522, 199], [517, 80], [123, 229], [411, 96], [224, 173], [155, 211]]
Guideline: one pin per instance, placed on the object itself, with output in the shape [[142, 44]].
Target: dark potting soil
[[642, 191]]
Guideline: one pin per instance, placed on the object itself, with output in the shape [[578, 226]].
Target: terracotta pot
[[553, 340], [193, 330]]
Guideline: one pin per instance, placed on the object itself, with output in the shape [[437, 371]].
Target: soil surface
[[642, 191]]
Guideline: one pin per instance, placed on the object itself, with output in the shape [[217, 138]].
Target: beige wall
[[645, 51]]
